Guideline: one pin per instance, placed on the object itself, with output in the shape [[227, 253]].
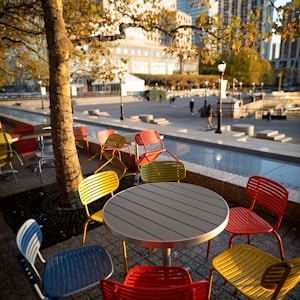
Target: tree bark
[[68, 170]]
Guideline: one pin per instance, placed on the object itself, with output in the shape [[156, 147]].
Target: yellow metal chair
[[163, 171], [7, 153], [111, 151], [91, 189], [255, 273]]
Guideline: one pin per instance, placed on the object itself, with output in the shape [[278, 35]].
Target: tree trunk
[[68, 171]]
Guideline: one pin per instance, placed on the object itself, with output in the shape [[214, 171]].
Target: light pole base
[[122, 112], [218, 131]]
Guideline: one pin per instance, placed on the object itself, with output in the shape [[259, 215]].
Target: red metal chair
[[156, 282], [244, 221], [24, 147], [80, 134], [153, 146], [157, 276]]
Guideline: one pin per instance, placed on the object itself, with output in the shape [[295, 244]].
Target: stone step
[[284, 139], [265, 134], [273, 135], [135, 118], [160, 121]]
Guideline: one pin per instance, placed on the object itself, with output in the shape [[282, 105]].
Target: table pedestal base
[[167, 257]]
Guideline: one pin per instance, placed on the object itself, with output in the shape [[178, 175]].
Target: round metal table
[[166, 215]]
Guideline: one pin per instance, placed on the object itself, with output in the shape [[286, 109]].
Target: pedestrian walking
[[173, 100], [210, 112], [192, 104]]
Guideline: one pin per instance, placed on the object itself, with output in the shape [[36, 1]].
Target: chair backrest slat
[[29, 240], [163, 171], [269, 193], [97, 186], [103, 135], [115, 290], [282, 277]]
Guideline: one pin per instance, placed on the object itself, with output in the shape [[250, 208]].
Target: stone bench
[[246, 128], [146, 118]]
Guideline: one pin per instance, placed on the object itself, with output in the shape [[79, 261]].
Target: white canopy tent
[[130, 83]]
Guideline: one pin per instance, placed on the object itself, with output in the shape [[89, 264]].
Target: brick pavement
[[14, 285]]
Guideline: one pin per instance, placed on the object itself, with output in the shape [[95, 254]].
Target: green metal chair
[[163, 171]]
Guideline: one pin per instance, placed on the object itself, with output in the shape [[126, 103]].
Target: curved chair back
[[163, 171], [7, 153], [103, 135], [29, 239], [24, 147], [80, 134], [269, 193], [114, 290], [149, 137], [153, 146], [97, 186], [282, 277], [157, 276]]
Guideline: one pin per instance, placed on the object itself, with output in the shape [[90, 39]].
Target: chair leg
[[125, 256], [210, 279], [207, 249], [86, 223], [279, 244]]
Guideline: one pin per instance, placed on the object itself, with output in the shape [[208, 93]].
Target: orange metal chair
[[244, 221], [153, 146], [102, 138], [24, 147], [80, 134], [156, 282], [255, 273], [113, 157]]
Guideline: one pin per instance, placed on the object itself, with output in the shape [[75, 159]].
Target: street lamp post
[[240, 90], [221, 69], [253, 91], [262, 89], [40, 83], [206, 85], [120, 74], [234, 81]]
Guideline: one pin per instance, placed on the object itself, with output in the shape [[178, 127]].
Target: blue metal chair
[[66, 272]]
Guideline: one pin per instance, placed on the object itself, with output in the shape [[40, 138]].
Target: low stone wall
[[236, 195]]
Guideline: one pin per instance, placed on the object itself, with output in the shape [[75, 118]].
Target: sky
[[276, 38]]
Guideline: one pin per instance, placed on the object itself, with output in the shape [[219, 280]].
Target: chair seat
[[97, 216], [74, 270], [244, 221], [243, 267]]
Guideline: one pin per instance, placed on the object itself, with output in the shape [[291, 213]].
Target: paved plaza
[[14, 285]]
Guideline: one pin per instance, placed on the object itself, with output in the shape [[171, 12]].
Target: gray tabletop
[[166, 215]]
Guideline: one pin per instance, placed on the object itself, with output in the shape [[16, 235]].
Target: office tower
[[242, 9]]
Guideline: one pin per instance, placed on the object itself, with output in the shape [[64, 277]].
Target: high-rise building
[[145, 52], [242, 9], [194, 10], [289, 57]]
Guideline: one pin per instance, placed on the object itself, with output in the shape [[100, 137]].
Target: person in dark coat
[[192, 104]]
